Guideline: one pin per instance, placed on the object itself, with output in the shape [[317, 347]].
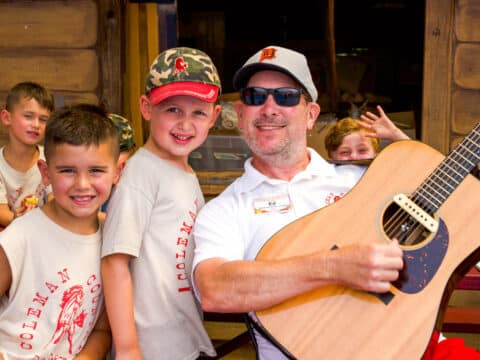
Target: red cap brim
[[205, 92]]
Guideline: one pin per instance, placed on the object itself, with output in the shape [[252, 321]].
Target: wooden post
[[142, 48], [111, 16], [331, 53]]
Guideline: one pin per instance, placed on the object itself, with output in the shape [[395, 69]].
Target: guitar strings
[[441, 183]]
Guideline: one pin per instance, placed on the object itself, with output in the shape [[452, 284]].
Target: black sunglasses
[[286, 96]]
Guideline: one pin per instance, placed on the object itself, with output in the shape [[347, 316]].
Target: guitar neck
[[450, 173]]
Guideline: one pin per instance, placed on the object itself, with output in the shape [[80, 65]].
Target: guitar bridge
[[416, 212]]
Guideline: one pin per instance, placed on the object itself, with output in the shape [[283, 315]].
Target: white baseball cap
[[280, 59]]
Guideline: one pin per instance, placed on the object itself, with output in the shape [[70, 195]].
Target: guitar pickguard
[[421, 264]]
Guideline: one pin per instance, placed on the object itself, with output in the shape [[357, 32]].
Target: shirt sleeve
[[217, 234], [128, 212]]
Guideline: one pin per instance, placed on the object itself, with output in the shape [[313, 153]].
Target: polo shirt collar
[[318, 167]]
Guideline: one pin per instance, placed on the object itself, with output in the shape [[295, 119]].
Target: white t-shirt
[[56, 296], [16, 186], [150, 216], [237, 223]]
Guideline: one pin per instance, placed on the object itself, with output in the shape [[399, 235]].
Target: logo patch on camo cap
[[182, 71]]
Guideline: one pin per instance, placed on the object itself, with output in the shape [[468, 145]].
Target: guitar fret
[[434, 187], [459, 166], [475, 150], [451, 172], [428, 196], [476, 132], [452, 169], [425, 204], [467, 160], [438, 186], [435, 200], [445, 182]]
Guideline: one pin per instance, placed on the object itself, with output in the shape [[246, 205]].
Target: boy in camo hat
[[147, 257], [127, 147], [125, 137]]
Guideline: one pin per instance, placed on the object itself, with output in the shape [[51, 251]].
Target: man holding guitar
[[283, 181]]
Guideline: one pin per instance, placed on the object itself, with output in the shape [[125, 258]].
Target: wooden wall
[[95, 51], [100, 50], [73, 48], [451, 88]]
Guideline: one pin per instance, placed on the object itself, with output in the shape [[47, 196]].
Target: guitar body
[[336, 322]]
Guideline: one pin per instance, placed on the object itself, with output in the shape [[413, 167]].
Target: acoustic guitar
[[431, 204]]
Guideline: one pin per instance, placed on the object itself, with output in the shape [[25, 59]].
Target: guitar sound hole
[[398, 224]]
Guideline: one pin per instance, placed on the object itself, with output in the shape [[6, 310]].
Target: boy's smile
[[178, 125], [81, 179]]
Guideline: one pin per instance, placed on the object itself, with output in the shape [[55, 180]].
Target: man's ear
[[43, 167], [313, 112], [238, 106]]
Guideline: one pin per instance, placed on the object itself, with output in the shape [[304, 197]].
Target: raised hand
[[381, 127]]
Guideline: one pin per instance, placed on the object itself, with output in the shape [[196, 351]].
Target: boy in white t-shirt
[[27, 110], [147, 240], [51, 301]]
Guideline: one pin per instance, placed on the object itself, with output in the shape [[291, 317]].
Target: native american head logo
[[71, 316]]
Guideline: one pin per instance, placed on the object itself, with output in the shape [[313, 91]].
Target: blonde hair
[[342, 128]]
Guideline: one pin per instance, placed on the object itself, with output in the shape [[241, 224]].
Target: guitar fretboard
[[450, 173]]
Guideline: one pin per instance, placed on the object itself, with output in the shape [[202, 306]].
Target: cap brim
[[205, 92], [244, 74]]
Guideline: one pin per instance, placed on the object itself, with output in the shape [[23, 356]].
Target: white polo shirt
[[237, 223]]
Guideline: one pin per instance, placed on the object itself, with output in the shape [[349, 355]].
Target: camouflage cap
[[125, 132], [183, 71]]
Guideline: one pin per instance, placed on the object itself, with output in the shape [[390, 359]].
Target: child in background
[[27, 110], [352, 139], [127, 146], [50, 284], [126, 140], [347, 140], [148, 246]]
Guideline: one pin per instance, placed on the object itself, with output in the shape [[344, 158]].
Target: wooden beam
[[134, 78], [331, 53], [110, 52], [437, 74]]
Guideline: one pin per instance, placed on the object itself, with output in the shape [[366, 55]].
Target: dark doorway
[[379, 44]]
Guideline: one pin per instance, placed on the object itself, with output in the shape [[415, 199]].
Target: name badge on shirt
[[272, 204]]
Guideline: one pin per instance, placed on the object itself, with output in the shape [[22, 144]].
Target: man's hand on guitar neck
[[369, 267]]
